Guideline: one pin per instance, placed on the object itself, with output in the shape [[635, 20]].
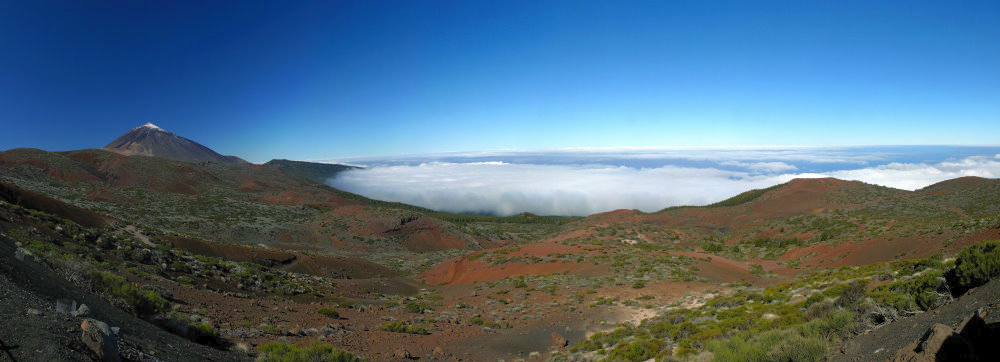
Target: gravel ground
[[882, 343], [50, 336]]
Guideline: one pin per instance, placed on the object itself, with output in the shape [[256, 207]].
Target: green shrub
[[329, 312], [636, 351], [977, 264], [780, 345], [639, 284], [919, 293], [146, 302], [400, 327], [285, 352], [416, 307]]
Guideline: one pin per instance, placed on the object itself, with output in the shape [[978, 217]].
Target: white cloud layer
[[501, 188]]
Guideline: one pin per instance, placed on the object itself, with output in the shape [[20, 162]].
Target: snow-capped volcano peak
[[153, 141], [150, 125]]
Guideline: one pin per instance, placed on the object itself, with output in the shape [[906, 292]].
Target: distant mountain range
[[153, 141]]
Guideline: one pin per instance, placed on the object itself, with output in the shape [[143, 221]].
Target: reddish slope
[[475, 268], [320, 265], [37, 201]]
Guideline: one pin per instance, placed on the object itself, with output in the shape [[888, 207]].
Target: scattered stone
[[402, 354], [559, 341], [99, 337], [65, 306], [20, 254], [82, 311]]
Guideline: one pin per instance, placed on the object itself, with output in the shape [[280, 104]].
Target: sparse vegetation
[[286, 352], [977, 264], [329, 312], [400, 327]]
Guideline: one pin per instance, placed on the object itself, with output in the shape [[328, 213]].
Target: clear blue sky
[[332, 79]]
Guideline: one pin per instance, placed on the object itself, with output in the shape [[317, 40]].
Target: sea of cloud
[[587, 181]]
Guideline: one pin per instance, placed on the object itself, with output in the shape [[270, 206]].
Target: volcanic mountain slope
[[315, 172], [240, 203], [768, 255], [258, 253], [153, 141]]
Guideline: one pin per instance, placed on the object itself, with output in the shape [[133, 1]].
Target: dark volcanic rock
[[100, 339]]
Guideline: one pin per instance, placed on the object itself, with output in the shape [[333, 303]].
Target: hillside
[[316, 172], [254, 252]]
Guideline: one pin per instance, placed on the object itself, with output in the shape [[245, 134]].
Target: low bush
[[285, 352], [329, 312], [416, 307], [636, 350], [400, 327], [146, 302], [778, 345], [921, 293], [976, 265]]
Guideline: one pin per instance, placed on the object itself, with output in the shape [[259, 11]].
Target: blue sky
[[334, 79]]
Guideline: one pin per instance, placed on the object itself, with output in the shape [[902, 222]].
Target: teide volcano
[[150, 140]]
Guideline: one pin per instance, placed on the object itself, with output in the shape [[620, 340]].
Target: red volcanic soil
[[724, 270], [882, 249], [548, 248], [37, 201], [798, 196], [286, 198], [320, 265], [972, 238], [427, 240], [576, 233], [255, 186], [323, 199], [620, 215], [425, 234], [57, 166], [464, 271]]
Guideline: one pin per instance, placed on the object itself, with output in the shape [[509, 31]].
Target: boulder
[[558, 340], [100, 339], [940, 342], [82, 311]]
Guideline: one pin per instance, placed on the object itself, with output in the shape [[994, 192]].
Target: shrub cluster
[[400, 327], [329, 312], [285, 352], [976, 265], [763, 325]]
